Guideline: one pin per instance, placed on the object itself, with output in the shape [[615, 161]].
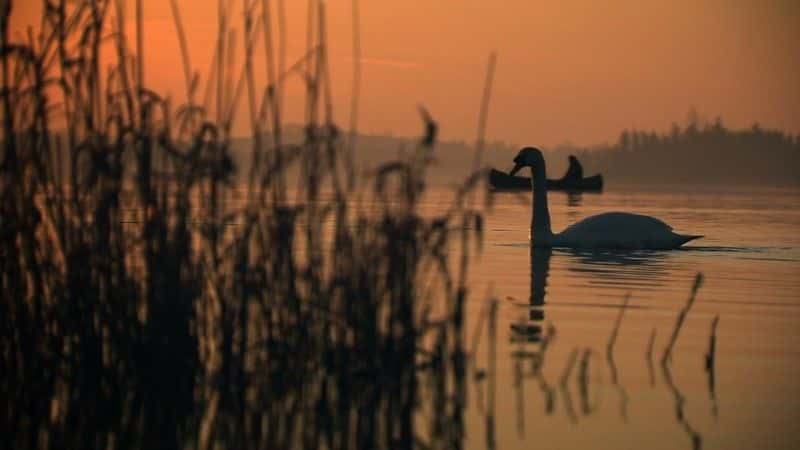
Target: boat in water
[[503, 181]]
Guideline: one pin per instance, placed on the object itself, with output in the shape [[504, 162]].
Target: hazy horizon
[[693, 155]]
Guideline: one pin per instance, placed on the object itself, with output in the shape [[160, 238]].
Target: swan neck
[[540, 221]]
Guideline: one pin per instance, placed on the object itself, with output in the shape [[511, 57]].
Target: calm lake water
[[750, 258], [582, 398]]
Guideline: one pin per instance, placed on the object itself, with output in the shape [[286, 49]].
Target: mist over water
[[697, 154]]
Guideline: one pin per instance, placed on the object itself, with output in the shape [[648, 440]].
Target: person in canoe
[[575, 170]]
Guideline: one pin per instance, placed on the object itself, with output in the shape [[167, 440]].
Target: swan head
[[527, 157]]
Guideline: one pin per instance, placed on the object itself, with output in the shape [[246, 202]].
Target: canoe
[[503, 181]]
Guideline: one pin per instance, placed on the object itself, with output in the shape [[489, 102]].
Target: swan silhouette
[[612, 230]]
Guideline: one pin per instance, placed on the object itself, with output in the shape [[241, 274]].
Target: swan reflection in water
[[533, 337], [531, 331], [528, 363], [606, 272], [619, 271]]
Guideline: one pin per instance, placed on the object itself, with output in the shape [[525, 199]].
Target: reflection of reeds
[[612, 339], [680, 399], [491, 441], [583, 382], [698, 281], [564, 386], [680, 402], [583, 358], [710, 359], [278, 332], [649, 357]]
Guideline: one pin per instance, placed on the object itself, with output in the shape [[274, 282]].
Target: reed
[[710, 366], [222, 316], [157, 296], [667, 355], [612, 365]]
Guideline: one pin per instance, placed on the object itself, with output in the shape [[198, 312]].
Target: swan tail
[[684, 238]]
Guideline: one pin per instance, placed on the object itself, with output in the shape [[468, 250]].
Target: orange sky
[[576, 71]]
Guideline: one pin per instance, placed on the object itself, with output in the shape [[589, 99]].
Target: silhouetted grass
[[151, 301], [269, 316]]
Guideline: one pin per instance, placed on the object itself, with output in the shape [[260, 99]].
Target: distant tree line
[[698, 152], [708, 153]]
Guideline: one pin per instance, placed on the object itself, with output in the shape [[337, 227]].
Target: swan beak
[[516, 168]]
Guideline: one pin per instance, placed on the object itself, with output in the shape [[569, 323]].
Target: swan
[[612, 230]]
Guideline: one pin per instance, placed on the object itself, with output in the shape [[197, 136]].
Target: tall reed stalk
[[152, 302]]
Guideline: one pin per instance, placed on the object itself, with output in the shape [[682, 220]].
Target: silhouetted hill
[[694, 155], [453, 160], [712, 154]]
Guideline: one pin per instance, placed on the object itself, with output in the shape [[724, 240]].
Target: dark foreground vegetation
[[149, 303]]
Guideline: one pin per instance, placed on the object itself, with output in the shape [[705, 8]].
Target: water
[[750, 258], [582, 396]]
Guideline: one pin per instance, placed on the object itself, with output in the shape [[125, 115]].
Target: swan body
[[612, 230], [620, 230]]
